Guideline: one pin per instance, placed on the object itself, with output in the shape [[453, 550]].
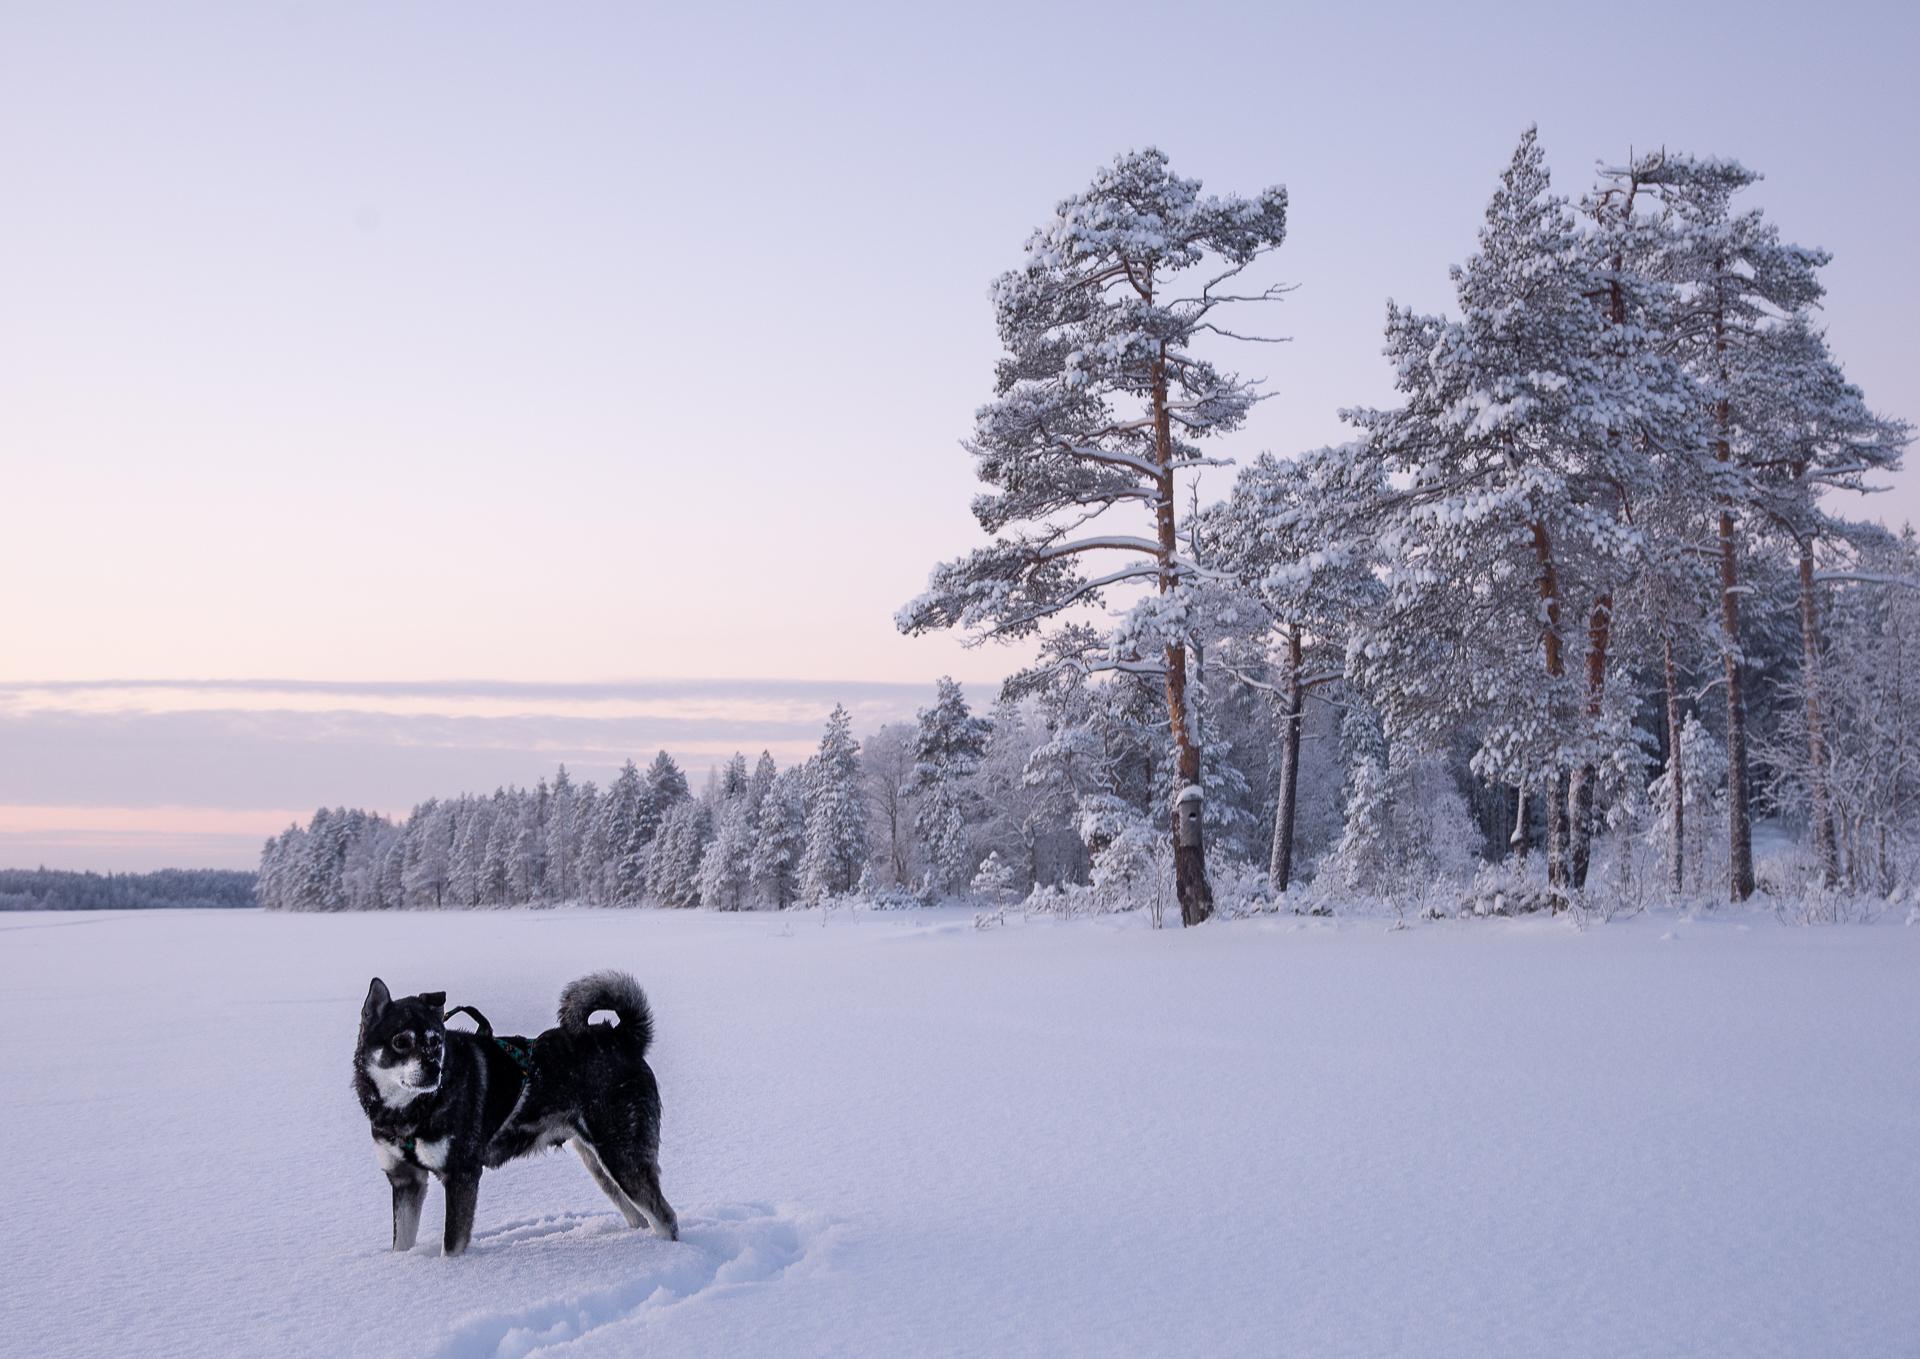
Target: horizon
[[203, 779]]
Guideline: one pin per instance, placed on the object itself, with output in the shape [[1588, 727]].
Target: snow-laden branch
[[1138, 571], [1867, 578], [1119, 542]]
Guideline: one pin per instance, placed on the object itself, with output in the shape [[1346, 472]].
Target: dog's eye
[[401, 1042]]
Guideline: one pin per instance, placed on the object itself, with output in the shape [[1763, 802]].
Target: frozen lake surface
[[899, 1135]]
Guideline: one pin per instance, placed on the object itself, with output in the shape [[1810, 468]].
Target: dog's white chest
[[431, 1155]]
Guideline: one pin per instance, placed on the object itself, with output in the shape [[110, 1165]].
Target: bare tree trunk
[[1824, 847], [1549, 581], [1676, 775], [1517, 842], [1579, 825], [1580, 797], [1280, 871], [1556, 799], [1189, 850], [1739, 806], [1739, 828], [1895, 801]]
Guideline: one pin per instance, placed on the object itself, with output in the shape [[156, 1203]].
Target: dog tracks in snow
[[728, 1248]]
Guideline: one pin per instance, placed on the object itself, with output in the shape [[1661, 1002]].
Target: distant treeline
[[47, 889]]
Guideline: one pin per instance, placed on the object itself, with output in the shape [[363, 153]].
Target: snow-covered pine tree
[[1652, 429], [325, 849], [1870, 675], [274, 884], [765, 771], [997, 882], [675, 854], [948, 742], [781, 838], [392, 869], [466, 875], [1819, 434], [1012, 825], [1695, 778], [591, 854], [733, 777], [836, 844], [496, 866], [626, 830], [1099, 405], [429, 841], [1068, 765], [1735, 278], [887, 759], [665, 785], [527, 866], [1511, 440], [726, 869], [1364, 858], [1295, 534], [562, 839]]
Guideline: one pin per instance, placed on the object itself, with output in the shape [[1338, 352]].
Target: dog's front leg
[[409, 1197], [463, 1193]]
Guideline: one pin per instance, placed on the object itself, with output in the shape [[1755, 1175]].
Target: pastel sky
[[463, 387]]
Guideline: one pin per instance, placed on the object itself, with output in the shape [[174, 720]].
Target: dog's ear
[[378, 998], [437, 999]]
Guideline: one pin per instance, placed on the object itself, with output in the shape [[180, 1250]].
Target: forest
[[51, 889], [1592, 617]]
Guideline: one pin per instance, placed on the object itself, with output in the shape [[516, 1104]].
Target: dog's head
[[403, 1043]]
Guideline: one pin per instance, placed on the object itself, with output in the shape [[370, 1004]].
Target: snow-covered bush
[[1239, 888], [1409, 832], [1134, 868], [1505, 888], [1703, 807], [895, 897], [996, 883]]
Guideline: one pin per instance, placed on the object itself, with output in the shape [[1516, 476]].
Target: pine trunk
[[1739, 828], [1280, 871], [1556, 800], [1676, 775], [1580, 798], [1825, 847], [1579, 825], [1189, 852], [1556, 783]]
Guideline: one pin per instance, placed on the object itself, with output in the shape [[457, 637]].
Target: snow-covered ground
[[900, 1135]]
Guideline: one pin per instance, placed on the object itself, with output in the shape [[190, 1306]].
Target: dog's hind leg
[[639, 1176], [409, 1197], [609, 1186]]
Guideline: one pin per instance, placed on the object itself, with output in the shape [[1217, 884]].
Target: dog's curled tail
[[615, 991]]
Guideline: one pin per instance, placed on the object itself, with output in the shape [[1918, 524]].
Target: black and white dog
[[455, 1103]]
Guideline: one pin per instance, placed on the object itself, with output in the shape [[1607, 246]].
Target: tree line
[[1567, 617], [52, 889]]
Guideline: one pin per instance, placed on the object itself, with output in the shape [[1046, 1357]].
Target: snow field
[[900, 1135]]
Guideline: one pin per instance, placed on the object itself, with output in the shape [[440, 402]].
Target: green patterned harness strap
[[522, 1057]]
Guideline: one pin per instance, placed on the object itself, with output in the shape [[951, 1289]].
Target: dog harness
[[522, 1057]]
